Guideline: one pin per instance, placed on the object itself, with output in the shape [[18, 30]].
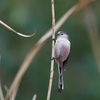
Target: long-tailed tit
[[61, 54]]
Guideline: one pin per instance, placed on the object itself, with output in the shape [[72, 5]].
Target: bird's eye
[[62, 34]]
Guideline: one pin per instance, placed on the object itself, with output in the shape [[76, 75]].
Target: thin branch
[[12, 97], [9, 28], [6, 88], [14, 93], [92, 28], [32, 53], [34, 97], [52, 56], [1, 93]]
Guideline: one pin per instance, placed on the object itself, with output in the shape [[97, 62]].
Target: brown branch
[[52, 56], [32, 53], [11, 29], [94, 37], [1, 93]]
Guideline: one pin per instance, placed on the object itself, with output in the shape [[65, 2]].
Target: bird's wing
[[65, 63]]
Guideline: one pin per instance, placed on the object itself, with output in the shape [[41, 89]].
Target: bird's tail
[[60, 82]]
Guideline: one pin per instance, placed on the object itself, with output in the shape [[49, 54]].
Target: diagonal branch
[[94, 37]]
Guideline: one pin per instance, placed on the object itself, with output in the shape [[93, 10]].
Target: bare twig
[[34, 97], [31, 54], [12, 97], [1, 93], [6, 88], [92, 28], [52, 56], [9, 28]]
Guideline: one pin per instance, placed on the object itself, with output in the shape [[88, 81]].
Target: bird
[[61, 55]]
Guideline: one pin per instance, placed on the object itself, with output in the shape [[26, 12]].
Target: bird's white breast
[[62, 48]]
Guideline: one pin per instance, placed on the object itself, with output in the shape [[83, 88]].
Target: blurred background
[[82, 77]]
